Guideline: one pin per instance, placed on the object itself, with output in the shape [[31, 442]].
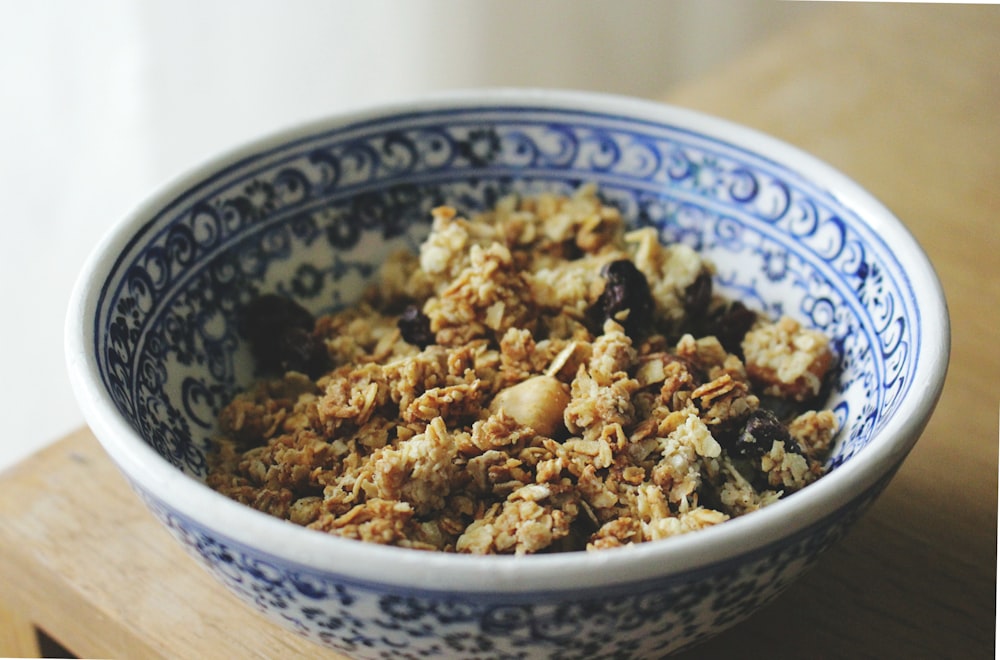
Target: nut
[[537, 402]]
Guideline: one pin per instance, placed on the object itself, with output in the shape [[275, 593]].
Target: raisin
[[784, 409], [279, 331], [759, 432], [730, 324], [625, 288], [415, 327], [698, 294], [299, 350], [267, 316]]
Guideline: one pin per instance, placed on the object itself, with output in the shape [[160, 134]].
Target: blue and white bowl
[[153, 353]]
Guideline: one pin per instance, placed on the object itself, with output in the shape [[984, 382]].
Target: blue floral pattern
[[314, 216], [644, 620]]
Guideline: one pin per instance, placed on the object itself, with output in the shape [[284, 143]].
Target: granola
[[538, 378]]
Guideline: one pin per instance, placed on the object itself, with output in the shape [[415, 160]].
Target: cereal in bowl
[[538, 378]]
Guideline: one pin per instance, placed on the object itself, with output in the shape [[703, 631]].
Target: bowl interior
[[312, 213]]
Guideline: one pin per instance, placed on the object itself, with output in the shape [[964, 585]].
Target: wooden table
[[903, 98]]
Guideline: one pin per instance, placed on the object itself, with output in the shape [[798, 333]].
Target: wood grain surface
[[905, 99], [84, 560]]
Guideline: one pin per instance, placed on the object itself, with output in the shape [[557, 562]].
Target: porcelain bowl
[[153, 354]]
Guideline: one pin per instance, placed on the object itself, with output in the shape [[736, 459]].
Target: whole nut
[[538, 402]]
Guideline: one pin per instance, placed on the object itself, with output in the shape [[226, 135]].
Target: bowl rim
[[438, 571]]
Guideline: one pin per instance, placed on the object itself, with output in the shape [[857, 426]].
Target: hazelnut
[[538, 402]]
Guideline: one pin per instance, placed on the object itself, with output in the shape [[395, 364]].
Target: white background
[[103, 101]]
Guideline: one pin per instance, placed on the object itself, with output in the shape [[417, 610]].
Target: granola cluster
[[538, 378]]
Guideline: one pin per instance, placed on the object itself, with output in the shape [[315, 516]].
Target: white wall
[[103, 100]]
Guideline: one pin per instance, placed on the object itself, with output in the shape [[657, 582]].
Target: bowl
[[153, 353]]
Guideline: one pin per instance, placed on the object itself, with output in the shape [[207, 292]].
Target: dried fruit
[[698, 294], [760, 431], [299, 350], [266, 316], [280, 333], [626, 298], [415, 327], [730, 324]]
